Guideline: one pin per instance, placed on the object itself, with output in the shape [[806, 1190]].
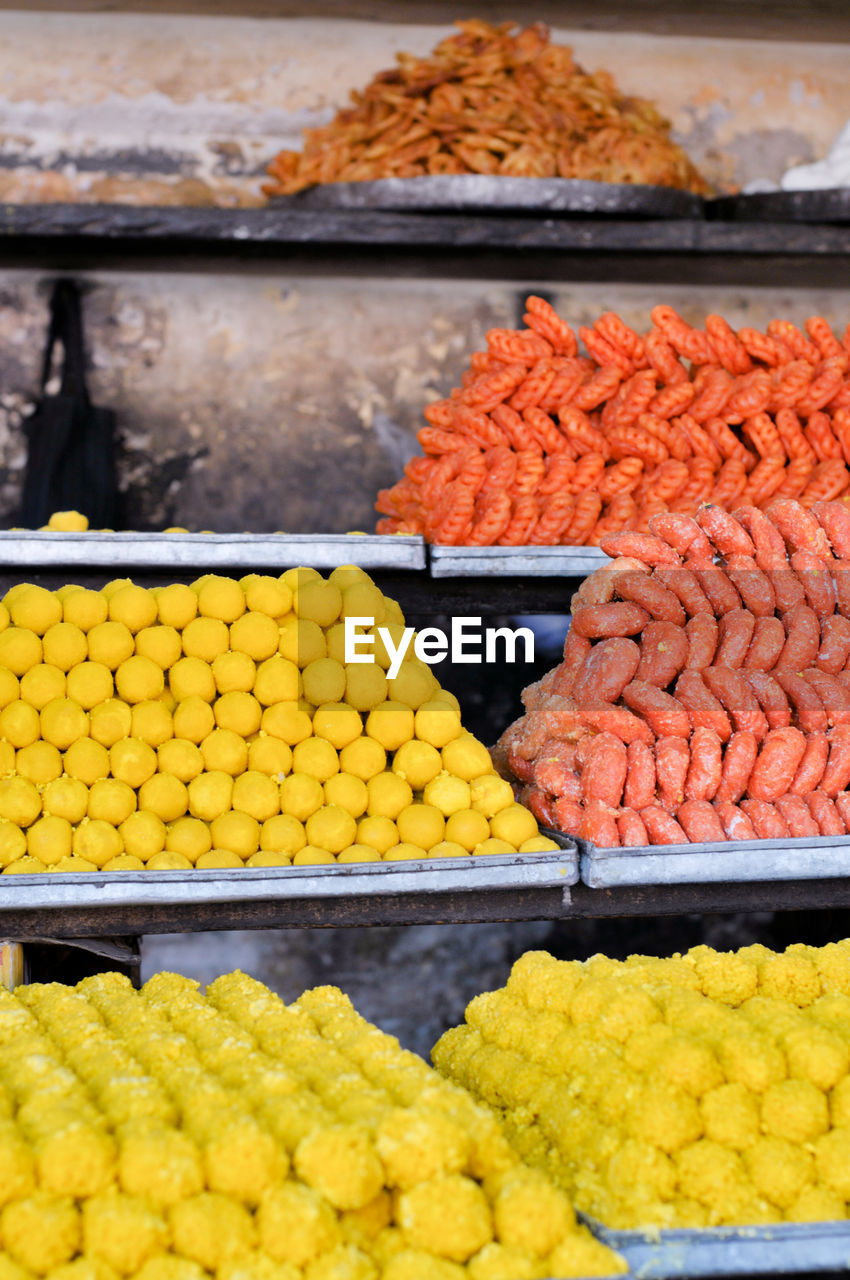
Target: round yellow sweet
[[87, 761], [66, 798], [282, 834], [266, 595], [364, 757], [255, 634], [13, 842], [448, 849], [64, 645], [84, 608], [189, 837], [492, 845], [73, 864], [132, 761], [324, 681], [388, 795], [19, 724], [124, 862], [7, 757], [418, 763], [362, 600], [240, 712], [490, 794], [68, 522], [10, 687], [414, 684], [268, 858], [348, 792], [390, 724], [161, 644], [383, 657], [301, 796], [293, 578], [466, 757], [139, 679], [225, 750], [287, 721], [539, 844], [178, 756], [359, 853], [403, 853], [49, 840], [221, 598], [365, 686], [176, 605], [236, 831], [143, 834], [420, 824], [345, 575], [166, 861], [41, 684], [393, 611], [25, 866], [234, 673], [111, 800], [338, 723], [317, 757], [514, 824], [309, 856], [468, 828], [135, 606], [20, 649], [192, 678], [335, 642], [302, 641], [205, 638], [257, 795], [209, 794], [164, 795], [437, 723], [63, 721], [35, 608], [277, 680], [218, 860], [193, 719], [109, 721], [97, 841], [377, 833], [331, 828], [5, 617], [110, 643], [152, 722], [270, 756], [448, 793], [89, 683], [319, 601], [40, 762]]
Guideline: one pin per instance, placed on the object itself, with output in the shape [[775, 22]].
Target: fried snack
[[492, 100]]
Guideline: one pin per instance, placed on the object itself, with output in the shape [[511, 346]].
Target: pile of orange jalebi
[[489, 101], [541, 445]]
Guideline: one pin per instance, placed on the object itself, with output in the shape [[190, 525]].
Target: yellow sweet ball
[[49, 839], [414, 685], [448, 849], [193, 719], [144, 834], [26, 866], [221, 598], [165, 795], [178, 756], [205, 638], [240, 712], [152, 722], [301, 796], [377, 833], [139, 679], [318, 601], [257, 795], [20, 649], [383, 656], [266, 595], [88, 683], [309, 856], [418, 763], [277, 680], [255, 634], [40, 762], [338, 723], [391, 725], [84, 608], [160, 644], [20, 724], [124, 862], [467, 828], [41, 684], [293, 578], [269, 756], [364, 757], [514, 824], [331, 828], [447, 793], [7, 757], [67, 797], [111, 800], [10, 687], [97, 841], [420, 824], [492, 846], [176, 605], [466, 757], [189, 837], [348, 792], [269, 858], [282, 834], [362, 599], [287, 721], [388, 795], [68, 522], [234, 673], [324, 681], [110, 643], [490, 794], [73, 864], [135, 606], [63, 721], [236, 831], [345, 575], [317, 757], [335, 642], [301, 641], [64, 645], [393, 611], [192, 678], [403, 853], [35, 608], [365, 686], [13, 842], [5, 617], [359, 853], [539, 844], [219, 860], [166, 861], [87, 761], [209, 794], [132, 761], [226, 751], [437, 722], [109, 721]]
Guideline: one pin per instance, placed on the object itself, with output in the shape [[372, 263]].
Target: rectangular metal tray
[[54, 891], [736, 860], [22, 547], [514, 562], [787, 1248]]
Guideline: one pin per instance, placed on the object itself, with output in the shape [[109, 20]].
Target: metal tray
[[486, 193], [55, 891], [735, 860], [21, 547], [511, 562], [831, 204], [787, 1248]]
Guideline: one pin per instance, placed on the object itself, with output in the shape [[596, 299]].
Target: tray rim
[[593, 861]]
